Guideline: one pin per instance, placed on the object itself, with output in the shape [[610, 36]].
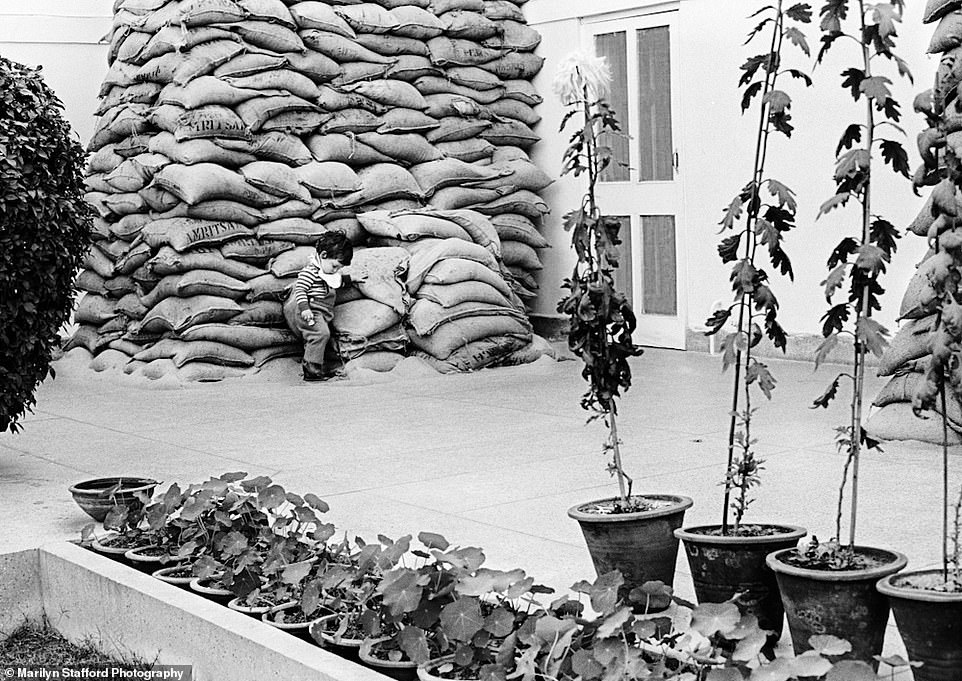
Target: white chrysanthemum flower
[[579, 72]]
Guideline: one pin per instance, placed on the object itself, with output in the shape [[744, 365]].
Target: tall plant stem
[[864, 310], [945, 484], [758, 171], [616, 454]]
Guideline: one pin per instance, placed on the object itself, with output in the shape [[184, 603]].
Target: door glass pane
[[655, 149], [622, 275], [659, 273], [613, 46]]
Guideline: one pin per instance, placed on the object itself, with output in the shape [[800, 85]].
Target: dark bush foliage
[[44, 232]]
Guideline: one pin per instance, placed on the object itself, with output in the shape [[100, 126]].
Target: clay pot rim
[[199, 588], [679, 504], [387, 664], [897, 562], [887, 588], [235, 604], [142, 485], [160, 573], [690, 534], [328, 636], [426, 669]]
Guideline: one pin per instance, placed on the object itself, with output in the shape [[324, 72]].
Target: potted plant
[[927, 604], [630, 532], [829, 588], [729, 558]]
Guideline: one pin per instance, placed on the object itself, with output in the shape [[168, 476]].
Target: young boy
[[310, 307]]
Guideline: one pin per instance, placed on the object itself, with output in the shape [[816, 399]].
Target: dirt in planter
[[122, 541], [291, 616], [743, 531], [153, 552], [933, 581], [180, 572], [848, 563], [36, 644], [636, 504]]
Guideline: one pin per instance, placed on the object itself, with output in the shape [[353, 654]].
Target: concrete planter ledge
[[128, 613]]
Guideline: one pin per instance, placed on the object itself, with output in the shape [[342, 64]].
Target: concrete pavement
[[490, 459]]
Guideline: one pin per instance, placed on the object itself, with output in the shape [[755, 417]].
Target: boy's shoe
[[311, 376]]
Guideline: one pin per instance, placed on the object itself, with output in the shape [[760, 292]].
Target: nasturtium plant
[[45, 228]]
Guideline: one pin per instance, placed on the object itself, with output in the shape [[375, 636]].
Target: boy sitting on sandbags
[[310, 307]]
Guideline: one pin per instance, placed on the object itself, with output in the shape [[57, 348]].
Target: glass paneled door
[[641, 186]]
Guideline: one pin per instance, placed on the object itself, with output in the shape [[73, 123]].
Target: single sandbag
[[391, 93], [350, 122], [519, 254], [275, 178], [426, 253], [378, 360], [447, 172], [476, 355], [213, 353], [897, 421], [410, 227], [522, 202], [204, 91], [291, 262], [322, 179], [255, 251], [271, 288], [344, 149], [208, 181], [95, 309], [409, 148], [194, 283], [255, 112], [406, 120], [447, 338], [299, 231], [266, 313], [271, 146], [415, 22], [450, 295], [910, 342], [379, 274], [247, 338], [321, 16], [367, 17], [380, 182], [176, 314], [340, 48], [187, 233], [277, 80], [426, 316], [363, 318], [208, 122], [189, 152]]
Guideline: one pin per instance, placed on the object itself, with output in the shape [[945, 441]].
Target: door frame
[[633, 198]]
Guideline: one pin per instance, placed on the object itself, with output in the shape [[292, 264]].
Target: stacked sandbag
[[232, 133], [367, 323], [463, 315], [906, 359]]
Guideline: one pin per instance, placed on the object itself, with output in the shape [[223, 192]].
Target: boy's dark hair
[[336, 246]]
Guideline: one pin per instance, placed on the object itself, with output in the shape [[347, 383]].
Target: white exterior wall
[[715, 144], [63, 37], [713, 139]]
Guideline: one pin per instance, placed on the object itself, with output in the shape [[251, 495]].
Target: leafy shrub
[[44, 232]]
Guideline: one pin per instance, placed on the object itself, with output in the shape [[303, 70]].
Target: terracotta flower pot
[[214, 593], [257, 611], [641, 545], [301, 629], [149, 558], [426, 670], [106, 546], [843, 603], [323, 631], [722, 566], [164, 574], [93, 498], [930, 623], [404, 670]]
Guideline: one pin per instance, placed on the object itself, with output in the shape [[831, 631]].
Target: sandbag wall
[[906, 359], [232, 133]]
